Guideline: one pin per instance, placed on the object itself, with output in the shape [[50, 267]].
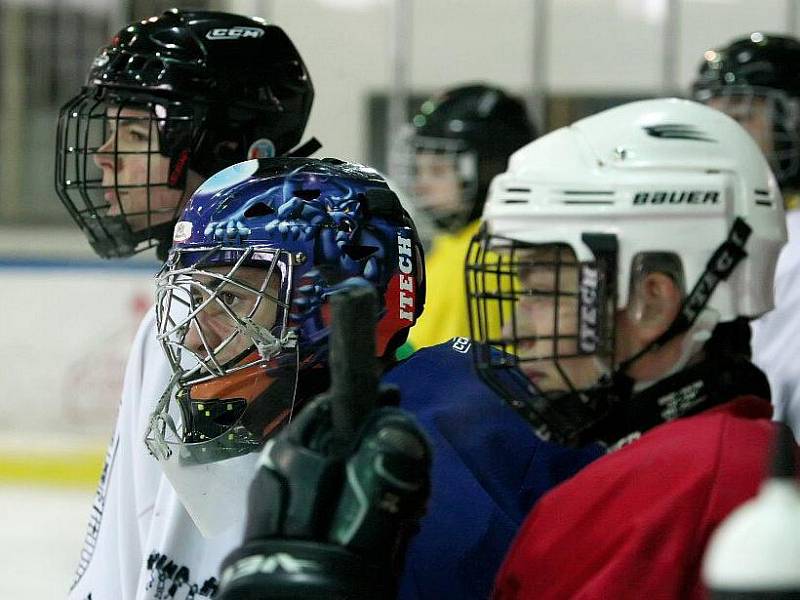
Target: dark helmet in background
[[174, 98], [756, 80], [468, 133]]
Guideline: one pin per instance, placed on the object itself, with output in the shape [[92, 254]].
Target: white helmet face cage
[[771, 117], [114, 172], [550, 316], [417, 159]]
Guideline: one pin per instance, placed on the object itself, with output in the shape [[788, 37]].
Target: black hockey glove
[[338, 493]]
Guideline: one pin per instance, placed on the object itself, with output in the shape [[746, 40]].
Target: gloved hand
[[322, 525]]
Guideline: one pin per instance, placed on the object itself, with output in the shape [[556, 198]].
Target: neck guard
[[701, 386]]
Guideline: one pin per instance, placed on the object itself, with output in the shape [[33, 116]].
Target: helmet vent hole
[[359, 252], [517, 190], [259, 209], [762, 198], [307, 194], [588, 197], [137, 63]]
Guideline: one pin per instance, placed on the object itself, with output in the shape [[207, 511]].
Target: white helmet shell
[[664, 175]]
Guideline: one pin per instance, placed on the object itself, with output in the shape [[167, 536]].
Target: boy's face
[[547, 323], [247, 296], [134, 172], [437, 185], [234, 377], [546, 314]]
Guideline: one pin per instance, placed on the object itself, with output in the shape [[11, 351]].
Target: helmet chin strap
[[699, 333], [450, 221], [719, 267], [305, 149]]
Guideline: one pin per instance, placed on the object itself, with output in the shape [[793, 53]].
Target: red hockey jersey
[[635, 523]]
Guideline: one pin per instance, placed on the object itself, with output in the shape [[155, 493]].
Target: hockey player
[[458, 141], [638, 243], [168, 102], [243, 314], [756, 81]]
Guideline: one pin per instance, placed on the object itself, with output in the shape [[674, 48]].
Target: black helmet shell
[[217, 59], [487, 122], [758, 60], [764, 66]]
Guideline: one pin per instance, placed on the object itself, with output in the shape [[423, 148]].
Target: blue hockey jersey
[[488, 470]]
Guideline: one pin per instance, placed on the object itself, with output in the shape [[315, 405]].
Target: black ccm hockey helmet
[[478, 126], [758, 77], [174, 98]]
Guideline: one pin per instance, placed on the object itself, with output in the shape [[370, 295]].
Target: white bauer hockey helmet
[[666, 176]]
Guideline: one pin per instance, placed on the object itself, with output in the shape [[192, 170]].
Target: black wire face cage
[[776, 112], [221, 317], [415, 157], [544, 320], [233, 304], [121, 166]]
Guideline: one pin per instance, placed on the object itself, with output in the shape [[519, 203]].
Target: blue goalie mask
[[242, 305]]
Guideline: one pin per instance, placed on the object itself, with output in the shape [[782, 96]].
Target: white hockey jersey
[[141, 544], [776, 335]]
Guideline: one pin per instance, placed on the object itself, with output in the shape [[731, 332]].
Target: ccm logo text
[[234, 33]]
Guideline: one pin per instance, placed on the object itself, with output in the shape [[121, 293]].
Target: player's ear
[[655, 302]]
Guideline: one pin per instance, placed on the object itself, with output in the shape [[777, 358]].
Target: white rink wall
[[66, 335], [590, 47], [43, 531], [68, 320]]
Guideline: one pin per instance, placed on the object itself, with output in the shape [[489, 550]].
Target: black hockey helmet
[[765, 67], [206, 89], [480, 126]]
